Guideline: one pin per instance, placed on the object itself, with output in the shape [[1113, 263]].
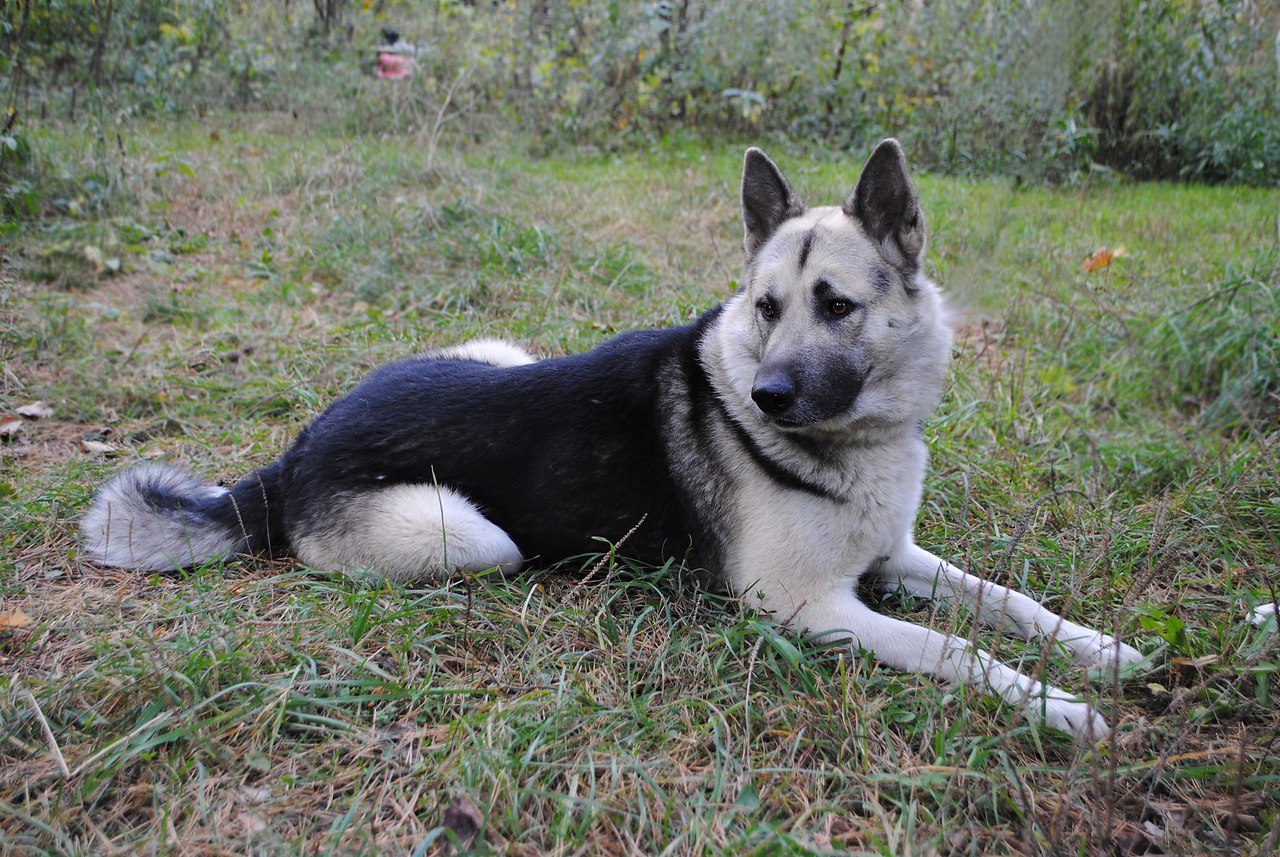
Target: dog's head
[[835, 324]]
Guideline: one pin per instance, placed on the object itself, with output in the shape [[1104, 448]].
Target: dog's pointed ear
[[767, 199], [886, 205]]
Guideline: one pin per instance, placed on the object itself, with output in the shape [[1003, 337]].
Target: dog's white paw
[[1261, 614], [1070, 715]]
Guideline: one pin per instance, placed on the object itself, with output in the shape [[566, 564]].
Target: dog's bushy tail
[[157, 518]]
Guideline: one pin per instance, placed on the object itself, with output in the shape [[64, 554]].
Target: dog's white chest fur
[[795, 546]]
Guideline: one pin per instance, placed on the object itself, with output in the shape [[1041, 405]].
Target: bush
[[1187, 91], [1151, 88], [18, 196]]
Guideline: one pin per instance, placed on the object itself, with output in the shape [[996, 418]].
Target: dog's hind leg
[[907, 647], [406, 533], [926, 576]]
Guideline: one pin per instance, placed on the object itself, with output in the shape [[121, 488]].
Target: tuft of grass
[[1107, 443]]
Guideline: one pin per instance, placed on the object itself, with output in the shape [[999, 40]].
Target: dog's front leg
[[912, 648], [926, 576]]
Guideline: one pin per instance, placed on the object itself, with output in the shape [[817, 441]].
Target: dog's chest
[[787, 533]]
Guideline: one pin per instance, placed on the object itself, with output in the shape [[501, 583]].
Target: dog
[[776, 442]]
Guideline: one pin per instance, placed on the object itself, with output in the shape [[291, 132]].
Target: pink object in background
[[394, 66]]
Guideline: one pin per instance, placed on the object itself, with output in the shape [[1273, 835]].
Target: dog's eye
[[840, 307], [767, 309]]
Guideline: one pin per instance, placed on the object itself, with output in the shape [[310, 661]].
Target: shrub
[[1180, 89]]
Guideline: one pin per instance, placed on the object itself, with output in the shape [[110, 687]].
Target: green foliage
[[62, 50], [1187, 90], [18, 195], [1149, 88], [1220, 356]]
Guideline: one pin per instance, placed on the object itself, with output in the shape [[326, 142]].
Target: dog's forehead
[[822, 240]]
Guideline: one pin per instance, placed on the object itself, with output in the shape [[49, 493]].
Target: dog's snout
[[774, 391]]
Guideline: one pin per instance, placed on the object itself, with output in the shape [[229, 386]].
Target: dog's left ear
[[886, 205], [767, 200]]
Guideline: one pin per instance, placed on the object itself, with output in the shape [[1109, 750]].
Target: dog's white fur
[[150, 543], [410, 532]]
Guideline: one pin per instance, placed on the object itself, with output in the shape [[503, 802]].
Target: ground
[[1107, 443]]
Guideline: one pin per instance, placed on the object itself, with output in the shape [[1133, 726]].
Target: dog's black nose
[[773, 392]]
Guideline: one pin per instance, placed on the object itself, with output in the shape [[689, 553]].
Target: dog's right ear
[[886, 205], [767, 200]]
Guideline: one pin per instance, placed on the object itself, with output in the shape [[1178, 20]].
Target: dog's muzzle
[[790, 397]]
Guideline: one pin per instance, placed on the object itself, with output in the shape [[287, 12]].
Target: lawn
[[205, 286]]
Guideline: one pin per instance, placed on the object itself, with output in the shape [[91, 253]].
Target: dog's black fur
[[415, 422]]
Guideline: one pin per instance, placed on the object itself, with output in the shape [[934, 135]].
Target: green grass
[[1107, 442]]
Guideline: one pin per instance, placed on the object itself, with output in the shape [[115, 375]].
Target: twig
[[746, 701], [54, 749], [613, 552], [577, 587]]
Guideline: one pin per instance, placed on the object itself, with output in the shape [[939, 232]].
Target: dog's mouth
[[786, 424]]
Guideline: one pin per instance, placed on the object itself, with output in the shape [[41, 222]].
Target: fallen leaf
[[36, 411], [9, 426], [252, 824], [100, 261], [95, 257], [15, 618], [1101, 258], [98, 448], [1241, 822], [256, 794]]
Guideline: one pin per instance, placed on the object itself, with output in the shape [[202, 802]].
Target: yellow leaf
[[1100, 259], [15, 618]]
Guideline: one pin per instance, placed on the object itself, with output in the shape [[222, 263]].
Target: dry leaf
[[95, 257], [95, 447], [36, 411], [252, 824], [9, 426], [15, 618], [99, 260], [1101, 258]]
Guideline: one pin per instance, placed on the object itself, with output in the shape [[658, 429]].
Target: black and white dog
[[775, 443]]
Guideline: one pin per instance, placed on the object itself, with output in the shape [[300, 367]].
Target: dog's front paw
[[1070, 715], [1263, 613], [1104, 650]]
